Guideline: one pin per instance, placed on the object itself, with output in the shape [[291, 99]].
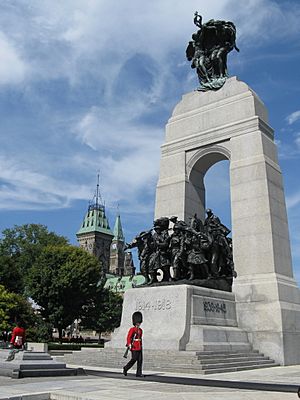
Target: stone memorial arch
[[232, 123]]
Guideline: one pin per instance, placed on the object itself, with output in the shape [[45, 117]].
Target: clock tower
[[95, 235], [117, 254]]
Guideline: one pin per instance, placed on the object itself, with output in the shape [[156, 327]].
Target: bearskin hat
[[137, 318]]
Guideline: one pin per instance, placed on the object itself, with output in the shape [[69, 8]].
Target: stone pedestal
[[37, 347], [232, 123], [183, 317]]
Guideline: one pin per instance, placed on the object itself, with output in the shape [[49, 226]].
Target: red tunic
[[18, 337], [134, 338]]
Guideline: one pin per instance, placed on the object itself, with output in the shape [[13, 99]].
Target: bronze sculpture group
[[196, 252], [208, 51]]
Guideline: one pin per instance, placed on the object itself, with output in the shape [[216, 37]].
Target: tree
[[19, 248], [62, 281], [7, 304], [10, 275], [39, 331], [14, 307], [104, 312]]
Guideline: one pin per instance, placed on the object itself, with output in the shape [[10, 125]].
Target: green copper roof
[[121, 284], [118, 231], [95, 221]]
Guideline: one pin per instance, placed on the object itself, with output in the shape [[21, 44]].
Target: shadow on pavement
[[269, 387]]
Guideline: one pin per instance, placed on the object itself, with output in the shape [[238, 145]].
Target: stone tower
[[95, 235], [117, 254]]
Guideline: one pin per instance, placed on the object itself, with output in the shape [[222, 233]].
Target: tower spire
[[118, 230], [97, 202], [97, 190]]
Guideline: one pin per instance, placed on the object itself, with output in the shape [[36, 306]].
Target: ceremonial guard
[[134, 344], [17, 341], [18, 336]]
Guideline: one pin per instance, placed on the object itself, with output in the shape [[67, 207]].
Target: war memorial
[[212, 302], [207, 294]]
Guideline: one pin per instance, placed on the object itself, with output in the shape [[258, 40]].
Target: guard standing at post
[[134, 343]]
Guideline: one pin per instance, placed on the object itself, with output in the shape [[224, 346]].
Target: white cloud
[[293, 200], [12, 67], [261, 21], [22, 188], [70, 38], [113, 131], [287, 149], [293, 117], [127, 153]]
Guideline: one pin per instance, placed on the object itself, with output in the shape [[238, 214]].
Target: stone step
[[205, 364], [41, 356], [183, 354], [196, 367], [186, 369], [208, 365], [198, 362], [231, 359], [47, 372], [34, 366], [193, 360], [240, 368], [228, 356], [235, 364], [60, 352], [225, 353]]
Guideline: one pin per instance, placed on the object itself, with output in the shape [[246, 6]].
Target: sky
[[88, 86]]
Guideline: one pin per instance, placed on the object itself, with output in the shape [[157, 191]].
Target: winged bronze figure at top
[[208, 51]]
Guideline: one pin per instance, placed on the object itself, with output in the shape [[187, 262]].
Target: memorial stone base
[[182, 317]]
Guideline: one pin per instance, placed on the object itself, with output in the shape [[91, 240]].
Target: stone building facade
[[97, 238]]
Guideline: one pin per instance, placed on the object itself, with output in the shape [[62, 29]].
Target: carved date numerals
[[155, 305], [209, 306]]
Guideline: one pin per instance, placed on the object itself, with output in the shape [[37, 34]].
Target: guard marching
[[134, 344]]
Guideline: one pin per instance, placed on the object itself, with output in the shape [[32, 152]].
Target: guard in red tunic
[[17, 341], [18, 336], [134, 343]]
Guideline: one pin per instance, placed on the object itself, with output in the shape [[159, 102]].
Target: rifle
[[125, 355]]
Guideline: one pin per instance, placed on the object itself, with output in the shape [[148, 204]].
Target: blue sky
[[89, 85]]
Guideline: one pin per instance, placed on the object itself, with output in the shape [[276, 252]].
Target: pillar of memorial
[[232, 123]]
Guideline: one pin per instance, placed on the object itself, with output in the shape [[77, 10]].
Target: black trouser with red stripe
[[136, 356]]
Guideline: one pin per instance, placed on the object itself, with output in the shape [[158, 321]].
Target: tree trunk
[[99, 339]]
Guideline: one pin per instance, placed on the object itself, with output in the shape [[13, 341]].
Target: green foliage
[[104, 313], [62, 281], [10, 274], [40, 331], [19, 248], [14, 307], [7, 305]]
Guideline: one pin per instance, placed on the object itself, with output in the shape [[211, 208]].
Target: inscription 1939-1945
[[209, 306], [155, 305]]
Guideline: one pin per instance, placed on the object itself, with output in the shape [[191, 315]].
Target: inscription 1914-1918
[[208, 306], [155, 305]]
